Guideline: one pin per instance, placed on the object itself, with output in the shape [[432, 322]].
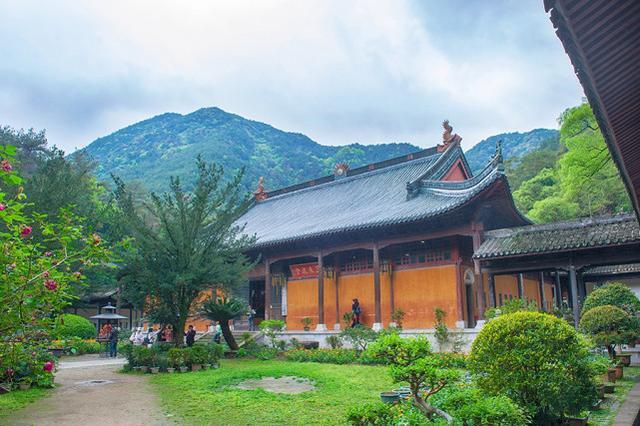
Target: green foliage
[[70, 325], [519, 170], [334, 341], [469, 406], [511, 306], [616, 294], [609, 325], [380, 414], [441, 330], [306, 322], [176, 357], [536, 359], [331, 356], [359, 336], [583, 181], [182, 243], [224, 310], [270, 328]]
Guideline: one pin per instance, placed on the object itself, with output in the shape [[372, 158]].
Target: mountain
[[514, 146], [166, 145]]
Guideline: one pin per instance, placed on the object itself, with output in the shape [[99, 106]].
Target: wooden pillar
[[520, 286], [573, 285], [376, 288], [492, 290], [267, 289], [336, 272], [321, 325], [543, 299], [392, 296], [582, 288], [480, 295], [460, 305], [558, 289]]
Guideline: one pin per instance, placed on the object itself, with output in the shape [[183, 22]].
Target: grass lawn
[[209, 397], [12, 401], [607, 414]]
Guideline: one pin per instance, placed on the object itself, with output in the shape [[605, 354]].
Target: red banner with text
[[304, 270]]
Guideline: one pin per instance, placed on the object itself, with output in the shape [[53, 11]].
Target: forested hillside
[[153, 150]]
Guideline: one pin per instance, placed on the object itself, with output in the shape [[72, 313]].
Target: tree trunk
[[178, 331], [228, 335], [428, 409]]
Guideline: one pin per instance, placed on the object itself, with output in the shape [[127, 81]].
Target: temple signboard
[[304, 270]]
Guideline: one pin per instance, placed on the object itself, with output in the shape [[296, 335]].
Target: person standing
[[113, 342], [217, 333], [356, 311], [250, 315], [191, 336]]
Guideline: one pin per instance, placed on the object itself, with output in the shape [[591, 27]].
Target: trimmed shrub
[[615, 294], [334, 341], [539, 360], [380, 414], [359, 336], [70, 325], [608, 325]]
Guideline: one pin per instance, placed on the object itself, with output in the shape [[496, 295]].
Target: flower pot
[[611, 375], [609, 388], [170, 370], [625, 359], [154, 370], [389, 397], [307, 328], [619, 373], [24, 386], [576, 421], [600, 389], [195, 367], [184, 369]]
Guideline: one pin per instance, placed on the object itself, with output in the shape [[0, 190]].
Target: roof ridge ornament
[[498, 159], [260, 194], [448, 137], [340, 170]]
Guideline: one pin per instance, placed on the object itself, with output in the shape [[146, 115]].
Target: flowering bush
[[39, 261]]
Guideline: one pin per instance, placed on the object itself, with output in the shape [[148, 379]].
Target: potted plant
[[389, 397], [619, 370], [397, 317], [163, 362], [611, 375], [306, 323], [600, 389], [25, 383], [625, 359]]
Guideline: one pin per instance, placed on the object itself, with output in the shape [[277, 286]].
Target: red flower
[[48, 254], [6, 166], [77, 274], [51, 285], [48, 366], [96, 239], [9, 372], [3, 207], [26, 231], [45, 274]]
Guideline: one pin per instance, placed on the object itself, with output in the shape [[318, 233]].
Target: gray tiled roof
[[371, 199], [560, 236], [631, 268]]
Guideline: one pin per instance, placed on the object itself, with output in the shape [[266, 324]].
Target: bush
[[70, 325], [176, 357], [539, 360], [469, 406], [359, 336], [331, 356], [615, 294], [511, 306], [451, 360], [269, 328], [608, 325], [214, 353], [374, 414]]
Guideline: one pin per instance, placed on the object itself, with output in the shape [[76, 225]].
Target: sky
[[338, 71]]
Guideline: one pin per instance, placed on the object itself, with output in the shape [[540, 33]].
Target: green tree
[[411, 362], [583, 182], [616, 294], [609, 326], [224, 310], [184, 243]]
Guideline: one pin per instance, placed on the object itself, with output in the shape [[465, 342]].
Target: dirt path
[[91, 392]]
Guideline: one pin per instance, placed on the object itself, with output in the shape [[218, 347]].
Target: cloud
[[339, 72]]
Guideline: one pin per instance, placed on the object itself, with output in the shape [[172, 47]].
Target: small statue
[[259, 193], [446, 135]]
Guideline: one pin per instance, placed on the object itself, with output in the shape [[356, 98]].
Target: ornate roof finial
[[340, 170], [497, 157], [259, 193], [448, 137]]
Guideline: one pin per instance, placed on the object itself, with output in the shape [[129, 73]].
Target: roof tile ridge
[[352, 178]]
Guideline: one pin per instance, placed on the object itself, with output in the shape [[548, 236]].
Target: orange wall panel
[[302, 301], [359, 287], [419, 291], [507, 286], [531, 290]]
